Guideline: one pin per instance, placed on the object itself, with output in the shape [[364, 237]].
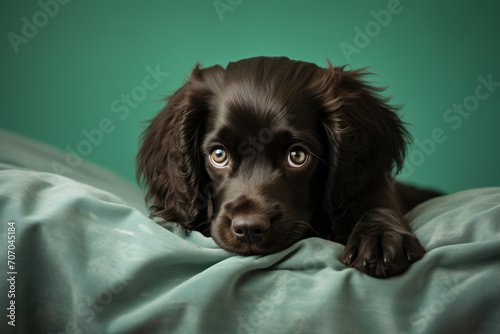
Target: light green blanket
[[87, 262]]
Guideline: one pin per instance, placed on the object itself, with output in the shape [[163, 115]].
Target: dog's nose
[[250, 229]]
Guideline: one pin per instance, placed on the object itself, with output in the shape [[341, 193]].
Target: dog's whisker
[[317, 157], [301, 223], [199, 226]]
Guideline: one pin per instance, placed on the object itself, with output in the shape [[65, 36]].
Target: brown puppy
[[269, 151]]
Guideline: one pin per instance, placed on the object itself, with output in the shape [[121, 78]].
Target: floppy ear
[[170, 162], [367, 139]]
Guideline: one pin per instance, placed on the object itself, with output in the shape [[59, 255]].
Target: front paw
[[382, 245]]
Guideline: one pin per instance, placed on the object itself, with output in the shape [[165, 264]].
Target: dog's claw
[[350, 258], [381, 255]]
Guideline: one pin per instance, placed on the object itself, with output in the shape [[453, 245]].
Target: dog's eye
[[297, 157], [219, 158]]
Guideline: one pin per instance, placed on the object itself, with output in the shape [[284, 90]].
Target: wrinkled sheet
[[88, 262]]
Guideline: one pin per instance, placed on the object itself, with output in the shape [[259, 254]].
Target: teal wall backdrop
[[83, 75]]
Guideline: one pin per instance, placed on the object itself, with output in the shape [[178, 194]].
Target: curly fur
[[356, 143]]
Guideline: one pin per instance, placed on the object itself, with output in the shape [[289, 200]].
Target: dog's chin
[[245, 249], [268, 245], [253, 249]]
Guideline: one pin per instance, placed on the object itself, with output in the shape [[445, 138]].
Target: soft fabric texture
[[87, 262], [23, 153]]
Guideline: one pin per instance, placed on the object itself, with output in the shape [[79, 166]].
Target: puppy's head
[[267, 151]]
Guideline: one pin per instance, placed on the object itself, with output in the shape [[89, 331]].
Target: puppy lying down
[[269, 151]]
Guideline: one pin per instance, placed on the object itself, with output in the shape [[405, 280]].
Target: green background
[[66, 74]]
